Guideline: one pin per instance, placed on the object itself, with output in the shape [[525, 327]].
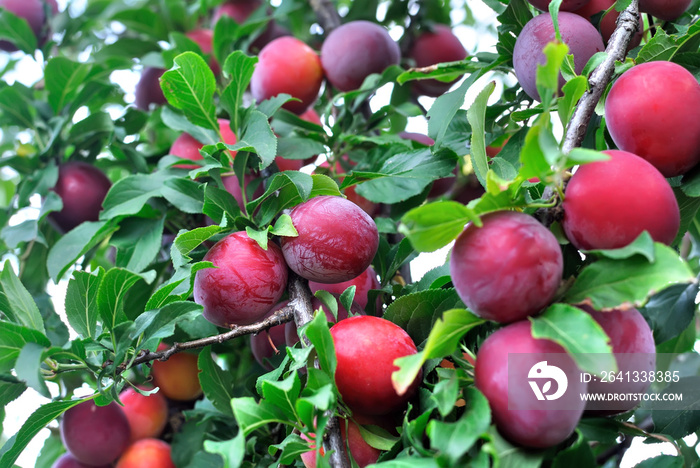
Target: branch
[[627, 24], [326, 13]]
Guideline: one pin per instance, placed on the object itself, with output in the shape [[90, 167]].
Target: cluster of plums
[[511, 267], [128, 436]]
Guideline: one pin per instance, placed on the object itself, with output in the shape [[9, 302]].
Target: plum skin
[[609, 21], [366, 348], [337, 240], [288, 65], [634, 349], [653, 111], [598, 215], [566, 5], [667, 10], [187, 147], [178, 377], [246, 283], [148, 90], [69, 461], [355, 50], [151, 453], [582, 37], [82, 188], [147, 414], [508, 269], [95, 435], [432, 47], [536, 428]]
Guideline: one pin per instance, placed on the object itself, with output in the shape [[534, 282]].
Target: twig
[[326, 13]]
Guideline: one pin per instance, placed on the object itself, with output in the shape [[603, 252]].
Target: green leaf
[[609, 283], [457, 438], [186, 194], [434, 225], [251, 415], [190, 86], [28, 367], [578, 333], [34, 423], [283, 394], [10, 389], [187, 241], [16, 108], [317, 332], [257, 136], [17, 31], [445, 107], [662, 461], [16, 302], [231, 451], [684, 419], [239, 67], [670, 311], [81, 302], [476, 115], [63, 79], [111, 293], [13, 338], [284, 227], [218, 202], [642, 245], [138, 241], [547, 75], [443, 340], [160, 323], [507, 455], [217, 384], [578, 455], [573, 90], [129, 195], [75, 244], [660, 47]]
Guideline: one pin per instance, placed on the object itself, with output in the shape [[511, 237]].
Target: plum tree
[[515, 419], [288, 65], [651, 111], [95, 435], [82, 188], [177, 378], [363, 283], [355, 50], [581, 36], [432, 47], [607, 22], [597, 215], [667, 10], [187, 147], [148, 90], [366, 348], [34, 12], [246, 283], [635, 352], [508, 269], [147, 414], [69, 461], [147, 453], [336, 242], [566, 5]]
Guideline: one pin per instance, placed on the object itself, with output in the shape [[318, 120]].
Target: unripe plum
[[366, 348], [607, 204], [287, 65], [33, 12], [355, 50], [260, 344], [69, 461], [148, 90], [508, 269], [337, 240], [187, 147], [667, 10], [147, 414], [178, 377], [147, 453], [363, 453], [536, 428], [95, 435], [633, 345], [363, 283], [433, 47], [582, 37], [290, 331], [246, 283], [566, 5], [82, 188], [608, 22], [653, 111]]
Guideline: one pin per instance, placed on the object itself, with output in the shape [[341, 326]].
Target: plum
[[34, 12], [178, 377], [336, 242], [187, 147], [147, 453], [607, 204], [147, 414], [508, 269], [566, 5], [608, 22], [433, 47], [148, 90], [667, 10]]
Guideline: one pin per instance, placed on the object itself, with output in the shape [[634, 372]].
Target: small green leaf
[[28, 367], [642, 245], [258, 235], [187, 241], [160, 323], [547, 78], [17, 304], [578, 333], [573, 90], [284, 227], [317, 332], [111, 294], [12, 339], [63, 79], [251, 415], [10, 389], [239, 67], [231, 451], [17, 31], [476, 115], [283, 394], [138, 241], [217, 384], [434, 225]]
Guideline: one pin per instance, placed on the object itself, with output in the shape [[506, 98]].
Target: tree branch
[[627, 24], [327, 15]]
